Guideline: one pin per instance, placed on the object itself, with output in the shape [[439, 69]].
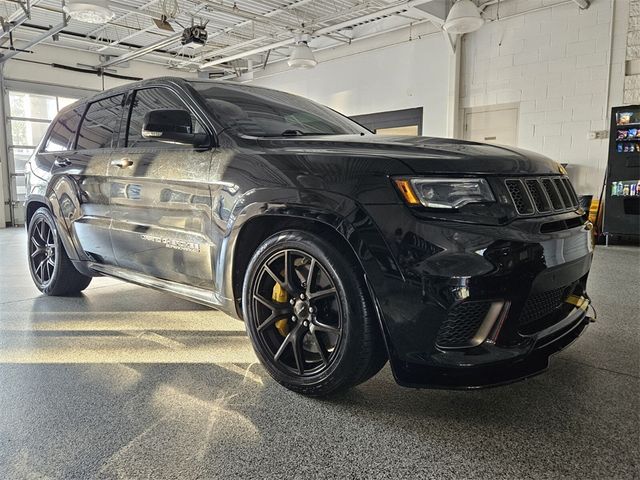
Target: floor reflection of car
[[463, 264]]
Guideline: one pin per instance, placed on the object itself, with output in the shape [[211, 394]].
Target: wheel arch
[[31, 207], [373, 256], [33, 203], [256, 230]]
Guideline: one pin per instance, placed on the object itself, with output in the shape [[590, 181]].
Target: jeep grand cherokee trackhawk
[[463, 264]]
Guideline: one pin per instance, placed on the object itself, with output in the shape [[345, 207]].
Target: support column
[[453, 99], [5, 206]]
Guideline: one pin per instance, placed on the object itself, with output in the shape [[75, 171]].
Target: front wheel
[[309, 316], [50, 267]]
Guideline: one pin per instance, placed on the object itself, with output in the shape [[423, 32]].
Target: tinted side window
[[153, 99], [101, 124], [63, 131]]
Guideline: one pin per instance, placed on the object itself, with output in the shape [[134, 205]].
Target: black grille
[[542, 195], [544, 304], [461, 324], [566, 198], [553, 194], [571, 191], [520, 197], [539, 198]]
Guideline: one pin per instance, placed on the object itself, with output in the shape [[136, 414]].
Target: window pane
[[153, 99], [21, 188], [29, 105], [20, 157], [27, 133], [101, 124], [64, 101], [63, 131]]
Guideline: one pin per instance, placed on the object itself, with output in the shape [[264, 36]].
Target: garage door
[[30, 108]]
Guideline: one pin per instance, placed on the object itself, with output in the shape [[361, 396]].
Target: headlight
[[446, 193]]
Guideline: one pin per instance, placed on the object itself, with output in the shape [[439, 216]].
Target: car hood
[[424, 155]]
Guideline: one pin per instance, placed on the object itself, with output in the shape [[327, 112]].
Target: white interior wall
[[556, 63], [408, 74]]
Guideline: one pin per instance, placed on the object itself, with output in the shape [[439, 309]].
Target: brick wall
[[555, 63], [632, 81]]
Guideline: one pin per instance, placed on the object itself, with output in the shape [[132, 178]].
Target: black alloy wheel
[[302, 332], [42, 252], [309, 314], [51, 269]]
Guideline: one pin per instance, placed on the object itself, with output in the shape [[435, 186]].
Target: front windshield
[[261, 112]]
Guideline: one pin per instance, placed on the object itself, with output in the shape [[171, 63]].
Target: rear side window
[[154, 99], [101, 124], [63, 131]]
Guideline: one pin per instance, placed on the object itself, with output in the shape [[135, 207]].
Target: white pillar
[[5, 209]]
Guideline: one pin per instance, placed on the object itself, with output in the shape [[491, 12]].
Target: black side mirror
[[172, 126]]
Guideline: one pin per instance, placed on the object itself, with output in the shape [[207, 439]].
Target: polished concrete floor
[[125, 382]]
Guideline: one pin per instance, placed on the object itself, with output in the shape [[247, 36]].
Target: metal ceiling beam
[[39, 39], [17, 18], [115, 43], [129, 10], [141, 51], [149, 48], [200, 58], [399, 7], [254, 17]]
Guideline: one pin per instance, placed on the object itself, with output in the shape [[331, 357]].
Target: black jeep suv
[[463, 264]]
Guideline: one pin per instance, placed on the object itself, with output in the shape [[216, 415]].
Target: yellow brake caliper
[[279, 295]]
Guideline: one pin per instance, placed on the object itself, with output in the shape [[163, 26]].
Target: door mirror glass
[[171, 126]]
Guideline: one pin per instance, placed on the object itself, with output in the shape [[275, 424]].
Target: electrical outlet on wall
[[598, 135]]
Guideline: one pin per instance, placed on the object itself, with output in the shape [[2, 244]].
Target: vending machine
[[622, 188]]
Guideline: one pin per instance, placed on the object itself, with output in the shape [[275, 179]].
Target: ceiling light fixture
[[89, 11], [302, 56], [464, 17]]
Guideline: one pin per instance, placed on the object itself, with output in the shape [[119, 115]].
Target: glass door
[[29, 115]]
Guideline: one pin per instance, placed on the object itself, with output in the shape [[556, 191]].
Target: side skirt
[[194, 294]]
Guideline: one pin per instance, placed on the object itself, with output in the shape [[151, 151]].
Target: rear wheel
[[309, 316], [50, 267]]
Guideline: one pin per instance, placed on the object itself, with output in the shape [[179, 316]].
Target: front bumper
[[472, 306], [496, 365]]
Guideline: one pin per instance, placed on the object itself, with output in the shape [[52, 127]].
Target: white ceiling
[[240, 30]]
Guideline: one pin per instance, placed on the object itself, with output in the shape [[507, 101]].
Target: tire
[[50, 267], [309, 315]]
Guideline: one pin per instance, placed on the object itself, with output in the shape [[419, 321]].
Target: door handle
[[62, 162], [122, 163]]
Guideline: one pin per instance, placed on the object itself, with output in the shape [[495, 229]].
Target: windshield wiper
[[300, 133]]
